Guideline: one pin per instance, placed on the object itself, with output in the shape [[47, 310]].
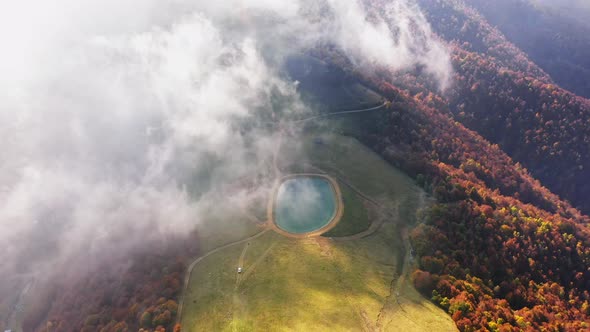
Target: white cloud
[[107, 108]]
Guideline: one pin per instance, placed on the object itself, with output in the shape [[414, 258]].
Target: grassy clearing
[[327, 88], [209, 295], [355, 218], [306, 285], [321, 284], [348, 159], [414, 313], [289, 284]]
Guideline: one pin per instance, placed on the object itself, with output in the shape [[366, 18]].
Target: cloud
[[129, 118], [396, 36], [104, 142]]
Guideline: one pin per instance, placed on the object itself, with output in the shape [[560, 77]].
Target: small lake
[[304, 204]]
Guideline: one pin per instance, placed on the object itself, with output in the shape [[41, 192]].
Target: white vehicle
[[239, 270]]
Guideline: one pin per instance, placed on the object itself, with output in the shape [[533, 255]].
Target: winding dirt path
[[407, 266], [376, 224], [252, 267], [191, 267], [241, 263], [327, 115]]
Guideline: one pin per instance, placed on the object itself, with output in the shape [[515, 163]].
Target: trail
[[407, 265], [241, 262], [237, 303], [191, 267], [409, 256], [253, 218], [331, 114], [348, 184], [376, 224], [395, 290], [276, 169], [251, 268], [19, 307], [327, 115]]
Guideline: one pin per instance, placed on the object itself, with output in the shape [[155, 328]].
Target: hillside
[[504, 96], [499, 233], [461, 204], [493, 253], [344, 282], [500, 236], [552, 37]]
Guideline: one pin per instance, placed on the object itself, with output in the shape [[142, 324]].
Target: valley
[[307, 283]]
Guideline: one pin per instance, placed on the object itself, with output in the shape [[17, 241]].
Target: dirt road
[[200, 258]]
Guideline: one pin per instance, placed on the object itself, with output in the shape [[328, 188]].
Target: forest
[[139, 294], [507, 254], [557, 40], [505, 151], [501, 94]]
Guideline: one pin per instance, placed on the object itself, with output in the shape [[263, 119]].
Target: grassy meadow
[[321, 283]]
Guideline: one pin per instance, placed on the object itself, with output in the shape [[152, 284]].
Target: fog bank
[[122, 122]]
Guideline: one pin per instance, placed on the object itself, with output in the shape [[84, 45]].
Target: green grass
[[209, 295], [321, 284], [227, 226], [326, 88], [306, 285], [418, 314], [299, 285], [349, 159], [355, 218]]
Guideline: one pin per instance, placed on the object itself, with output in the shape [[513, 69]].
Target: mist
[[132, 118]]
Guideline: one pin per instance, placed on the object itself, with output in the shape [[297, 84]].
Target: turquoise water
[[304, 204]]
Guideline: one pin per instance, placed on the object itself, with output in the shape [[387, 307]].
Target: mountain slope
[[485, 256], [508, 99], [499, 251], [558, 43]]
